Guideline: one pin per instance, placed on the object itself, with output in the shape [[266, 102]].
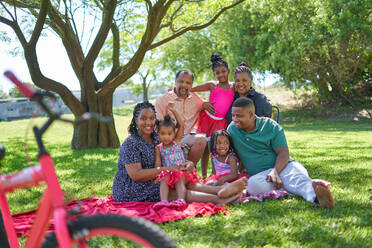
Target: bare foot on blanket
[[235, 187], [229, 199], [323, 195]]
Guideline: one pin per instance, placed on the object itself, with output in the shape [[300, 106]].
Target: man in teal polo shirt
[[262, 148]]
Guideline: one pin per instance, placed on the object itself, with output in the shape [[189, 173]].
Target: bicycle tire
[[123, 226]]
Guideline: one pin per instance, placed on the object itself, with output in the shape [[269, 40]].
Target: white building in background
[[21, 108]]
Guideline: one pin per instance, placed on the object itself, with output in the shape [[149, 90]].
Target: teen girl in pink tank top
[[221, 96]]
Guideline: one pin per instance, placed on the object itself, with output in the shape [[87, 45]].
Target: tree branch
[[56, 20], [101, 36], [22, 4], [91, 31], [39, 23], [116, 45], [9, 13], [17, 30], [193, 28], [103, 3], [115, 53], [48, 84], [57, 29], [149, 4], [155, 15], [69, 40], [6, 21], [168, 4], [148, 84], [83, 29], [73, 21], [98, 4], [15, 11], [173, 16]]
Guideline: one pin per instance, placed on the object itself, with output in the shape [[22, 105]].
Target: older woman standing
[[134, 180], [243, 88]]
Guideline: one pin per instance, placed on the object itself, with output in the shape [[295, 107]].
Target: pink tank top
[[221, 169], [222, 99]]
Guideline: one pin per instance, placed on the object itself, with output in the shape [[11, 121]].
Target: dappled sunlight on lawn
[[339, 152]]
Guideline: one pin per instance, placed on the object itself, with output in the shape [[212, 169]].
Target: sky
[[52, 59]]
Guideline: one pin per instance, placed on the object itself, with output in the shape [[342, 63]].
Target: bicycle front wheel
[[113, 231]]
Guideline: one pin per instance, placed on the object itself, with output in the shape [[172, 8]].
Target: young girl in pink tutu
[[221, 96], [224, 160], [169, 153]]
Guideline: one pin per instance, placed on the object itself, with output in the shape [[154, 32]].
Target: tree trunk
[[107, 136], [145, 91], [104, 136]]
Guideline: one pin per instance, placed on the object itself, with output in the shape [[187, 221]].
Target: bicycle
[[70, 228]]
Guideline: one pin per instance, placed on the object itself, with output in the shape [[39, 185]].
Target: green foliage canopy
[[324, 44]]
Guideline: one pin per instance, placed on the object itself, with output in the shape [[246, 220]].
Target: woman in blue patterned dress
[[134, 180]]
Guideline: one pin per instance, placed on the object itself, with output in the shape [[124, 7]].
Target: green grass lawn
[[339, 152]]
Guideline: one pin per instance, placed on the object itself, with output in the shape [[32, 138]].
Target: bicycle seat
[[2, 151]]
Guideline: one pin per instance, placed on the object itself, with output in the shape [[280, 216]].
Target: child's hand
[[189, 166], [182, 167], [209, 107], [157, 181]]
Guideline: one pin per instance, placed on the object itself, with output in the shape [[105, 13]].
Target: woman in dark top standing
[[134, 180], [243, 87]]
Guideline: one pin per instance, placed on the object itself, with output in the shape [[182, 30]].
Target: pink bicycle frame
[[51, 205]]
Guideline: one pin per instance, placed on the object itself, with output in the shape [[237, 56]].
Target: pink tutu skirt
[[216, 177], [172, 177], [208, 125]]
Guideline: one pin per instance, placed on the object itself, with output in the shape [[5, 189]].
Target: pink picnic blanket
[[92, 206], [107, 205]]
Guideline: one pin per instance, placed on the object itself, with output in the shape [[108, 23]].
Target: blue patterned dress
[[135, 150]]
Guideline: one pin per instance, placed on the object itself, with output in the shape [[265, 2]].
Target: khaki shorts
[[185, 145]]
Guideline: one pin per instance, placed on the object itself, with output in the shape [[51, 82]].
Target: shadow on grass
[[82, 174], [15, 157]]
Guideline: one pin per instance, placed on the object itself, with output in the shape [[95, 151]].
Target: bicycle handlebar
[[26, 178], [25, 90]]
